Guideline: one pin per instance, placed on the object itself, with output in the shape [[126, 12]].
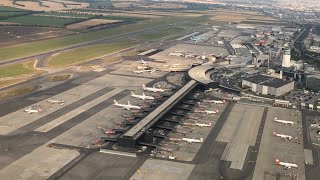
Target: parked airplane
[[152, 89], [283, 136], [30, 110], [142, 67], [196, 39], [143, 96], [286, 164], [106, 131], [60, 102], [315, 126], [126, 106], [214, 101], [198, 124], [138, 71], [207, 111], [283, 121], [193, 140], [143, 62]]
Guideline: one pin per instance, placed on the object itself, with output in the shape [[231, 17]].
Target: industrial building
[[266, 85]]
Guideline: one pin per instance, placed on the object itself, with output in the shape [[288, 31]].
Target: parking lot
[[273, 147]]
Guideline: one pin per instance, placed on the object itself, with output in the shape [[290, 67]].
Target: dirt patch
[[56, 78], [14, 92], [7, 23], [90, 23]]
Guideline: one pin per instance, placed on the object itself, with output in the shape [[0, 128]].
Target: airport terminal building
[[266, 85]]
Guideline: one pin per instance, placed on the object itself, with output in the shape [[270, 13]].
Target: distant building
[[266, 85]]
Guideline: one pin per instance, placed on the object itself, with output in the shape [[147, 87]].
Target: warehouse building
[[266, 85]]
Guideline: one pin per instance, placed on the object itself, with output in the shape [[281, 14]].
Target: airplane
[[143, 62], [176, 54], [196, 39], [60, 102], [214, 101], [138, 71], [207, 111], [198, 124], [126, 106], [106, 131], [283, 121], [143, 96], [142, 67], [315, 126], [30, 110], [193, 140], [152, 89], [283, 136], [286, 164]]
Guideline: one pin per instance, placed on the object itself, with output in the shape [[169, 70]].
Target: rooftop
[[268, 81]]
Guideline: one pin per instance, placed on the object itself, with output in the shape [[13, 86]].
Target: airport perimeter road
[[47, 53]]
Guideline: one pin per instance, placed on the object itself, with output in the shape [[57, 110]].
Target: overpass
[[137, 132]]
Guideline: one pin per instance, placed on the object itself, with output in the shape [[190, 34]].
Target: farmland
[[86, 53], [41, 21]]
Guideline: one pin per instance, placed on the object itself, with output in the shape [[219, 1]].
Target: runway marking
[[117, 153], [62, 119]]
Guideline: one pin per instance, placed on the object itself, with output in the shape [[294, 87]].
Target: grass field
[[22, 50], [6, 8], [86, 53], [57, 78], [10, 11], [41, 20], [159, 34], [18, 69], [18, 91]]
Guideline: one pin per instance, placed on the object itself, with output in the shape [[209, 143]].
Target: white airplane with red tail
[[192, 140], [286, 164], [207, 111], [283, 136], [30, 110]]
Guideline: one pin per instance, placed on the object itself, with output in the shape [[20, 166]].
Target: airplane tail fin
[[39, 109], [275, 118], [115, 102], [143, 86], [143, 94], [210, 124], [132, 93], [201, 139], [129, 103], [274, 133], [277, 161]]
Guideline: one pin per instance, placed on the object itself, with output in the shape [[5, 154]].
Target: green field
[[6, 12], [41, 20], [18, 69], [86, 53], [23, 50], [152, 35], [6, 8]]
